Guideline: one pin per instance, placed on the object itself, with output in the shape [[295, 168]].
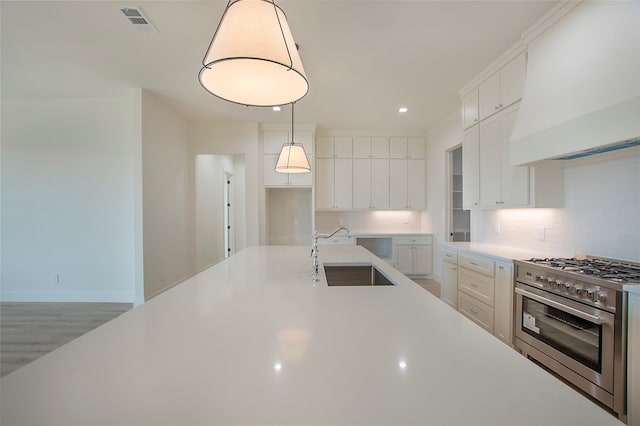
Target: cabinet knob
[[501, 105], [496, 107], [475, 120]]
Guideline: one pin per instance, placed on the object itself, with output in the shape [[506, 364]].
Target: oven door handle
[[573, 311]]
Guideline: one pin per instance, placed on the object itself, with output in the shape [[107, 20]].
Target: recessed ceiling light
[[277, 108], [403, 109]]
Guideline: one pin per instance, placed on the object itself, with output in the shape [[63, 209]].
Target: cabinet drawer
[[477, 263], [476, 311], [476, 285], [336, 241], [414, 241], [448, 254]]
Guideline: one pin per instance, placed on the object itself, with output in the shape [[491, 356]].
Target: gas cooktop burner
[[606, 269]]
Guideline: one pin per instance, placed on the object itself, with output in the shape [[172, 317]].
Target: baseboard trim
[[68, 296]]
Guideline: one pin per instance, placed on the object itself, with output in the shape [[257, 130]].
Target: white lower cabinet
[[503, 302], [449, 288], [414, 255], [476, 311], [483, 289]]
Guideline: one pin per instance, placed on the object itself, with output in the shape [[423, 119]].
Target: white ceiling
[[363, 58]]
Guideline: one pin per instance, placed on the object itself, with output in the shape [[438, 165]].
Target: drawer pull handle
[[501, 267], [474, 285], [473, 311], [474, 263]]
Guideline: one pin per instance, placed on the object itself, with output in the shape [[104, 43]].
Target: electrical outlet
[[541, 232]]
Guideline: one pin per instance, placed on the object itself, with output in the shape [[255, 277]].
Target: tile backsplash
[[601, 215], [377, 221]]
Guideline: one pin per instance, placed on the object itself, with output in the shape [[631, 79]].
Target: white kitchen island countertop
[[252, 340], [504, 252]]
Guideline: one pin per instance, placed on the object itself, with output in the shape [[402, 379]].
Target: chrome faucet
[[314, 249]]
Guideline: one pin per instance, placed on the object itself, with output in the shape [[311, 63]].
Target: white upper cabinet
[[334, 184], [406, 147], [500, 89], [274, 139], [370, 183], [470, 109], [334, 147], [384, 173], [407, 184], [500, 184], [512, 78], [364, 147], [489, 96]]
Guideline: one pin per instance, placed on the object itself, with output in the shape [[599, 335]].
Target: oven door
[[577, 336]]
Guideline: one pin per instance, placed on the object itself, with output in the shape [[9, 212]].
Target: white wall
[[239, 139], [168, 186], [442, 137], [600, 216], [68, 200]]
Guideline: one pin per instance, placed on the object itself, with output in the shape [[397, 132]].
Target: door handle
[[573, 311]]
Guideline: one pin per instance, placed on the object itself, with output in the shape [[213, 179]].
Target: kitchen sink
[[359, 275]]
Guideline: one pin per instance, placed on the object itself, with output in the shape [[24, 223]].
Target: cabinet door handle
[[496, 107], [474, 263], [500, 105], [501, 267]]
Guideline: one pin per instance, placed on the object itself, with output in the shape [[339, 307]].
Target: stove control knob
[[587, 292], [568, 286], [602, 297], [576, 289], [540, 278], [559, 283]]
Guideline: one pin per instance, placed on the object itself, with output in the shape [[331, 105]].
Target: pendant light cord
[[292, 104], [275, 9]]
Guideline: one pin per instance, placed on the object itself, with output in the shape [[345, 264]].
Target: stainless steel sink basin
[[348, 275]]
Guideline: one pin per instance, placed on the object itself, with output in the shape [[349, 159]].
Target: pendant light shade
[[252, 59], [293, 158]]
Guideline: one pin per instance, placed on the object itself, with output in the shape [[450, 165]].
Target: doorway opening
[[459, 219]]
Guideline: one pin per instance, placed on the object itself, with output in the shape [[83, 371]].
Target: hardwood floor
[[429, 285], [30, 330]]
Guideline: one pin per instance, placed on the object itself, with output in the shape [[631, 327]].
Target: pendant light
[[293, 158], [252, 59]]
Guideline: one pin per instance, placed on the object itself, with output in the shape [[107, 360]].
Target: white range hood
[[582, 90]]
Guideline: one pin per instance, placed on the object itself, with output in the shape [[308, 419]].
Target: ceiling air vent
[[140, 22]]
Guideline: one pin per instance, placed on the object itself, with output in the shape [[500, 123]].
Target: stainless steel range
[[571, 319]]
